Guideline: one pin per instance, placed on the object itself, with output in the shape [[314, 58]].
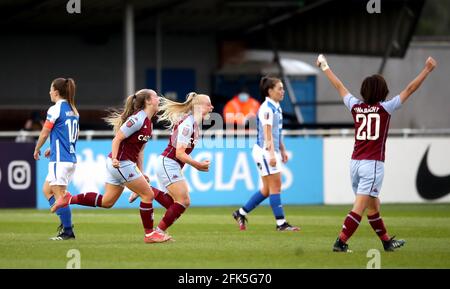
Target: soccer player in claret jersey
[[268, 153], [184, 119], [62, 126], [371, 117], [133, 128]]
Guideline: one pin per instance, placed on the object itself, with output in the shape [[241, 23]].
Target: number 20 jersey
[[64, 134], [371, 126]]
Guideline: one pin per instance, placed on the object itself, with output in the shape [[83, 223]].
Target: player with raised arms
[[371, 117]]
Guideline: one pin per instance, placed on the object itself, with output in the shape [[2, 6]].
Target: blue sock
[[254, 201], [277, 208], [64, 214]]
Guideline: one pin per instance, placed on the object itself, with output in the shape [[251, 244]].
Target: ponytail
[[133, 104], [66, 88]]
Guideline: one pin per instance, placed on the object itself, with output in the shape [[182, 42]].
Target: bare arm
[[268, 140], [185, 158], [284, 156], [430, 64], [115, 147], [140, 159], [45, 132], [335, 81]]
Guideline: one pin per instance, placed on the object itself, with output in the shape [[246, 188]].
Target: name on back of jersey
[[70, 113], [366, 109]]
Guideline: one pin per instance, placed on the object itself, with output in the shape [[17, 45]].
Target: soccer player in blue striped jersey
[[62, 125], [268, 152]]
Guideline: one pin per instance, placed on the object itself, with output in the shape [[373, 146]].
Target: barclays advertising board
[[232, 179]]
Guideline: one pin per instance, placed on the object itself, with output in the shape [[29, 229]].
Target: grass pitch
[[210, 238]]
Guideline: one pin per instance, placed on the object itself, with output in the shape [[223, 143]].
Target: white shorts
[[127, 172], [60, 173], [367, 176], [262, 158], [168, 171]]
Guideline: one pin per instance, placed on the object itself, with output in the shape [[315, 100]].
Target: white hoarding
[[402, 181]]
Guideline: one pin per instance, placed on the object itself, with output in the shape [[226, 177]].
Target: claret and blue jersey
[[64, 134]]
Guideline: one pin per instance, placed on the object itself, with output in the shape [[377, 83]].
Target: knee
[[186, 202], [107, 204]]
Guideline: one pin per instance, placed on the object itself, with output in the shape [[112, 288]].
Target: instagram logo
[[19, 175]]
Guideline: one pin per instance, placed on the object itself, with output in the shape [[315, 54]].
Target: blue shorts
[[367, 177]]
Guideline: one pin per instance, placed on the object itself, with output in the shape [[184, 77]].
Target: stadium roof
[[329, 26]]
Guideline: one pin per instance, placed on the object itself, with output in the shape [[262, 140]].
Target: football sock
[[64, 214], [163, 198], [350, 225], [277, 208], [87, 199], [146, 212], [171, 215], [253, 202], [378, 226]]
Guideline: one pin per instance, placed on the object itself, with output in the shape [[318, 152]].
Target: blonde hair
[[174, 111], [133, 103], [66, 88]]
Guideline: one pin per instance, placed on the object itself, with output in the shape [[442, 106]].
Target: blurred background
[[222, 48], [112, 48]]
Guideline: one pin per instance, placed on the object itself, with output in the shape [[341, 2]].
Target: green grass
[[209, 238]]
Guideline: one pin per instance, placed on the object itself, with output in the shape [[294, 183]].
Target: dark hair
[[374, 89], [66, 89], [266, 83]]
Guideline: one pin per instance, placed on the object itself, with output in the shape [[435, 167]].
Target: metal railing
[[344, 132]]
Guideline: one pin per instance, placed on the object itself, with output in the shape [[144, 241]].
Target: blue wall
[[232, 179]]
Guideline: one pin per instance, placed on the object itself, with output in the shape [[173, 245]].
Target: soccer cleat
[[240, 219], [133, 197], [340, 246], [393, 244], [61, 202], [63, 235], [287, 227], [156, 237]]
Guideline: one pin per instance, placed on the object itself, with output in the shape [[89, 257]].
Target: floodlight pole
[[129, 49], [158, 44]]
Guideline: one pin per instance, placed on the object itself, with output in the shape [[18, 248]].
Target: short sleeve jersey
[[138, 130], [371, 126], [184, 132], [64, 133]]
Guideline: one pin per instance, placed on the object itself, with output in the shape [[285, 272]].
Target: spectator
[[240, 109], [34, 123]]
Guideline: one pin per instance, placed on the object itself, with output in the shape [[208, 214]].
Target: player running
[[184, 119], [133, 128]]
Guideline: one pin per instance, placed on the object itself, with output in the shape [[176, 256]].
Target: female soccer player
[[371, 117], [133, 128], [268, 153], [184, 119], [62, 126]]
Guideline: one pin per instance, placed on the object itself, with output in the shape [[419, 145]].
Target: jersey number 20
[[72, 128], [365, 129]]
